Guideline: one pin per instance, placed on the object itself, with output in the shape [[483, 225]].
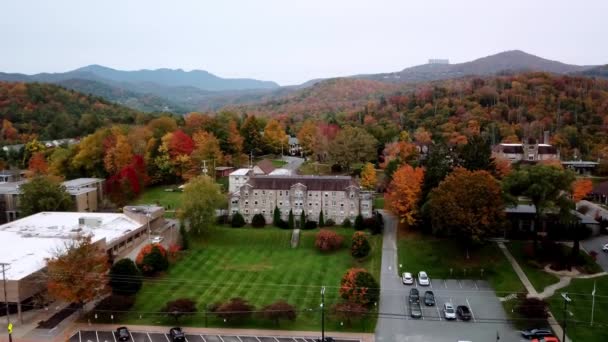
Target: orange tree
[[467, 204], [77, 272], [404, 193], [359, 286], [152, 259], [581, 188]]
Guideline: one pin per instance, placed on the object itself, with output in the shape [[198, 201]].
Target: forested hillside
[[52, 112]]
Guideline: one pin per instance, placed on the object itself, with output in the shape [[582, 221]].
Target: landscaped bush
[[279, 310], [180, 307], [330, 223], [236, 310], [282, 224], [359, 286], [348, 311], [152, 259], [222, 219], [328, 240], [310, 225], [258, 221], [125, 278], [532, 308], [237, 220], [184, 236], [360, 247], [115, 303], [378, 225], [359, 224], [346, 223]]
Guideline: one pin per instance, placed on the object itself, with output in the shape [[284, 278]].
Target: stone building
[[339, 197]]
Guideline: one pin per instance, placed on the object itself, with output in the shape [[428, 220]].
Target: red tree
[[180, 144]]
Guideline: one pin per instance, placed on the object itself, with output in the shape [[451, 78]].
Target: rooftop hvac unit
[[89, 221]]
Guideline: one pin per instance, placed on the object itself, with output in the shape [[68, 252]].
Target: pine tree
[[276, 219], [290, 222], [359, 222], [321, 219], [184, 235], [302, 219]]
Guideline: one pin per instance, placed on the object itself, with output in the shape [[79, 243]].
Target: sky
[[292, 41]]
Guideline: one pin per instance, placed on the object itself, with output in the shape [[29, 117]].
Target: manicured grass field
[[157, 195], [579, 327], [446, 259], [278, 163], [260, 266], [539, 278], [313, 168], [379, 202]]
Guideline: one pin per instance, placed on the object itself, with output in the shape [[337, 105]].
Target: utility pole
[[9, 326], [566, 301], [323, 314], [204, 169], [593, 303]]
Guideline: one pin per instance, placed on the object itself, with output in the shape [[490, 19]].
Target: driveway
[[293, 163], [595, 244], [395, 324]]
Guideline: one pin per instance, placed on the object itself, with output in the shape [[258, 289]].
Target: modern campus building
[[28, 242], [340, 197]]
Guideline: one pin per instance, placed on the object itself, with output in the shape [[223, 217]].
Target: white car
[[408, 279], [605, 248], [423, 279], [448, 311], [156, 239]]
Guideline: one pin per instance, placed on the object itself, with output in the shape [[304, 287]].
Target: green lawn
[[539, 278], [443, 258], [278, 163], [312, 168], [379, 202], [170, 200], [258, 265], [579, 328]]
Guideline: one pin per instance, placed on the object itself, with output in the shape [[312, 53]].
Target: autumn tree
[[152, 259], [77, 271], [307, 136], [359, 286], [403, 193], [206, 148], [467, 205], [279, 310], [90, 153], [235, 141], [236, 310], [275, 139], [347, 311], [368, 177], [8, 132], [44, 193], [60, 162], [202, 197], [581, 188], [161, 126], [125, 278], [360, 246], [328, 240], [37, 165], [352, 145], [180, 307], [252, 136], [118, 152]]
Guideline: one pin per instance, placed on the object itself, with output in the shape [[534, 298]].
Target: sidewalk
[[557, 329]]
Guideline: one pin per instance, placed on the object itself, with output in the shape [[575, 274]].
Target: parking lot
[[138, 336]]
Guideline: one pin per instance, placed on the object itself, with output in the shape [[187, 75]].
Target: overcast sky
[[291, 41]]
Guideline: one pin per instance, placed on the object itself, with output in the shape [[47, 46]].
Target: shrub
[[593, 255], [328, 240], [359, 224], [347, 311], [125, 278], [282, 224], [236, 310], [321, 219], [360, 246], [336, 168], [184, 236], [532, 308], [378, 225], [346, 223], [152, 259], [279, 310], [359, 286], [276, 216], [237, 221], [310, 225], [330, 223], [115, 303], [290, 221], [180, 307], [258, 221], [222, 219]]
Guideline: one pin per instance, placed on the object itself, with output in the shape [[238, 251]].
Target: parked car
[[605, 248], [414, 296], [448, 311], [122, 334], [546, 339], [327, 339], [407, 278], [177, 335], [156, 239], [429, 298], [536, 333], [423, 279], [415, 310], [463, 312]]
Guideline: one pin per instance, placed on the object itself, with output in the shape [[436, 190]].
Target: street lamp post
[[323, 314], [566, 301]]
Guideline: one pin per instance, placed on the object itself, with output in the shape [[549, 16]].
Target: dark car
[[327, 339], [463, 312], [533, 333], [415, 310], [429, 298], [177, 335], [122, 334], [414, 296]]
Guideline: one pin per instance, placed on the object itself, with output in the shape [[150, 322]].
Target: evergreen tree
[[359, 223], [321, 219], [291, 220], [276, 218], [477, 155], [184, 235], [302, 219]]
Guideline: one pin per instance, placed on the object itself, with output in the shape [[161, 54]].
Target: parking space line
[[131, 336], [460, 283], [221, 339], [80, 337], [445, 284], [167, 337], [416, 282], [430, 283], [470, 308], [96, 335], [257, 338], [239, 338], [438, 313], [476, 287], [204, 339]]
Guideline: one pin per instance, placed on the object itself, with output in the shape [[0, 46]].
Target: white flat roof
[[28, 242], [280, 172], [240, 172], [81, 182]]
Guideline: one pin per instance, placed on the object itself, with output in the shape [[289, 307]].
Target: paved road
[[394, 323], [595, 244], [293, 163]]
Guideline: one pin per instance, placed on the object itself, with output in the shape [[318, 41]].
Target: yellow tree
[[581, 188], [274, 136], [368, 177], [235, 141], [307, 137], [404, 193], [118, 154], [206, 147]]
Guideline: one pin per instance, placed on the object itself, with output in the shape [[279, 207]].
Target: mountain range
[[181, 91]]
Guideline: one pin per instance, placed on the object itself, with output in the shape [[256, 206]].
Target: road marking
[[415, 282], [131, 336], [114, 336], [96, 335], [445, 284], [438, 313], [79, 336], [257, 338], [476, 287], [204, 339], [460, 283], [470, 308], [239, 338], [430, 283], [220, 338], [167, 337]]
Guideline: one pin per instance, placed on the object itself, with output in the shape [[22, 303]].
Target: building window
[[246, 202], [333, 193], [280, 193], [246, 194], [256, 202], [281, 203], [255, 193], [310, 204], [287, 193]]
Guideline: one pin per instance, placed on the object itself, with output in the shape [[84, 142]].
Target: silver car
[[423, 279], [408, 279], [448, 311]]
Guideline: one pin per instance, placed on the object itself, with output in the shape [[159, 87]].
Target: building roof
[[313, 183], [546, 149], [223, 168], [266, 166], [512, 148], [293, 141], [11, 188], [280, 172], [240, 172], [601, 189], [28, 242], [78, 182]]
